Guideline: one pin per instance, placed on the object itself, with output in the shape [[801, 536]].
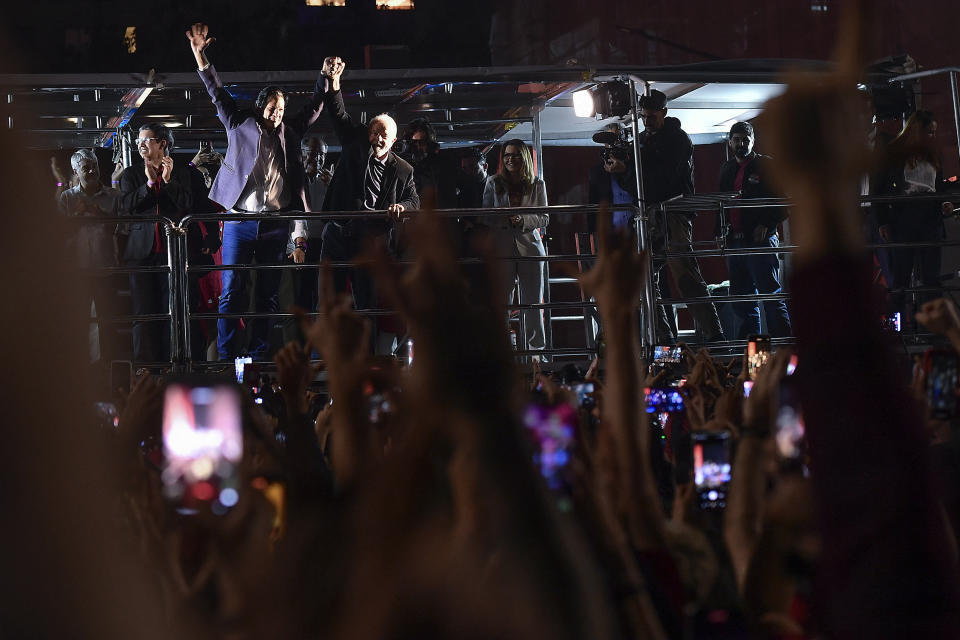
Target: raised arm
[[224, 102], [306, 116], [342, 122]]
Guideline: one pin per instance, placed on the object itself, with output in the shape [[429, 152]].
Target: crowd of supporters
[[799, 493]]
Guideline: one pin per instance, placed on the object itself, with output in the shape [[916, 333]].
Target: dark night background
[[87, 36]]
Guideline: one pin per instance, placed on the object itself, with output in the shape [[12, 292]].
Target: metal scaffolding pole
[[648, 336], [176, 256]]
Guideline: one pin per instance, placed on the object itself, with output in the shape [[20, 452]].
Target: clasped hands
[[164, 171]]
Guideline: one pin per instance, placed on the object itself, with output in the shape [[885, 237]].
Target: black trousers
[[151, 295]]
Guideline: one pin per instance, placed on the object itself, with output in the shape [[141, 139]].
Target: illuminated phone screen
[[552, 431], [664, 399], [202, 443], [711, 468]]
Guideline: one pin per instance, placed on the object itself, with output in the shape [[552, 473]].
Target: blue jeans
[[244, 242], [758, 274]]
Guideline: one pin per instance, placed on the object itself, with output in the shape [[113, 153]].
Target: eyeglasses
[[141, 141]]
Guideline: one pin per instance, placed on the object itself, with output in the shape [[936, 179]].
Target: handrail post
[[648, 331], [956, 107], [185, 295], [176, 254]]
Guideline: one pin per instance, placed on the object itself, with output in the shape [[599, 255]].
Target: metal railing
[[720, 203], [179, 269]]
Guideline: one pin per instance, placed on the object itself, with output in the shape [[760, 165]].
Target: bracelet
[[59, 184], [115, 182], [300, 245]]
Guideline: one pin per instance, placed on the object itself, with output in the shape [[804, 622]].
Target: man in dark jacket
[[666, 154], [368, 177], [160, 189], [752, 227], [157, 189]]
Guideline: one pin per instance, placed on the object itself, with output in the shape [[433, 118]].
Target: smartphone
[[747, 387], [940, 366], [239, 365], [202, 445], [584, 392], [380, 395], [789, 430], [666, 354], [552, 433], [664, 400], [121, 376], [758, 352], [890, 322], [711, 468]]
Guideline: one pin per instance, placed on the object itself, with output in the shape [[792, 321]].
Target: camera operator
[[613, 179], [666, 154]]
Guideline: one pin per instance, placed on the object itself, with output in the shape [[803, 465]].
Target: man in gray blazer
[[262, 172]]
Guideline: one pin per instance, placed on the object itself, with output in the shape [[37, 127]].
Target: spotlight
[[605, 100], [583, 104]]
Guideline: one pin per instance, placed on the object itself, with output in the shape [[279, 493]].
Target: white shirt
[[921, 177], [267, 188]]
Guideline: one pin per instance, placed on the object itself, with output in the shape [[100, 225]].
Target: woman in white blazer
[[515, 185]]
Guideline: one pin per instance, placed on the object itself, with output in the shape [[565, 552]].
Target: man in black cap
[[666, 154], [752, 227]]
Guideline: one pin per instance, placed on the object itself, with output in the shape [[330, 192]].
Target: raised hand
[[57, 172], [340, 335], [293, 374], [117, 171], [199, 41], [333, 68], [616, 279], [816, 113], [140, 418], [939, 316], [198, 38], [760, 409]]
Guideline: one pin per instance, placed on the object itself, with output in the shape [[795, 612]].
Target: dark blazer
[[755, 185], [243, 141], [345, 191], [667, 161], [174, 200]]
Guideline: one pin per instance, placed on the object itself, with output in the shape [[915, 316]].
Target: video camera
[[617, 146]]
